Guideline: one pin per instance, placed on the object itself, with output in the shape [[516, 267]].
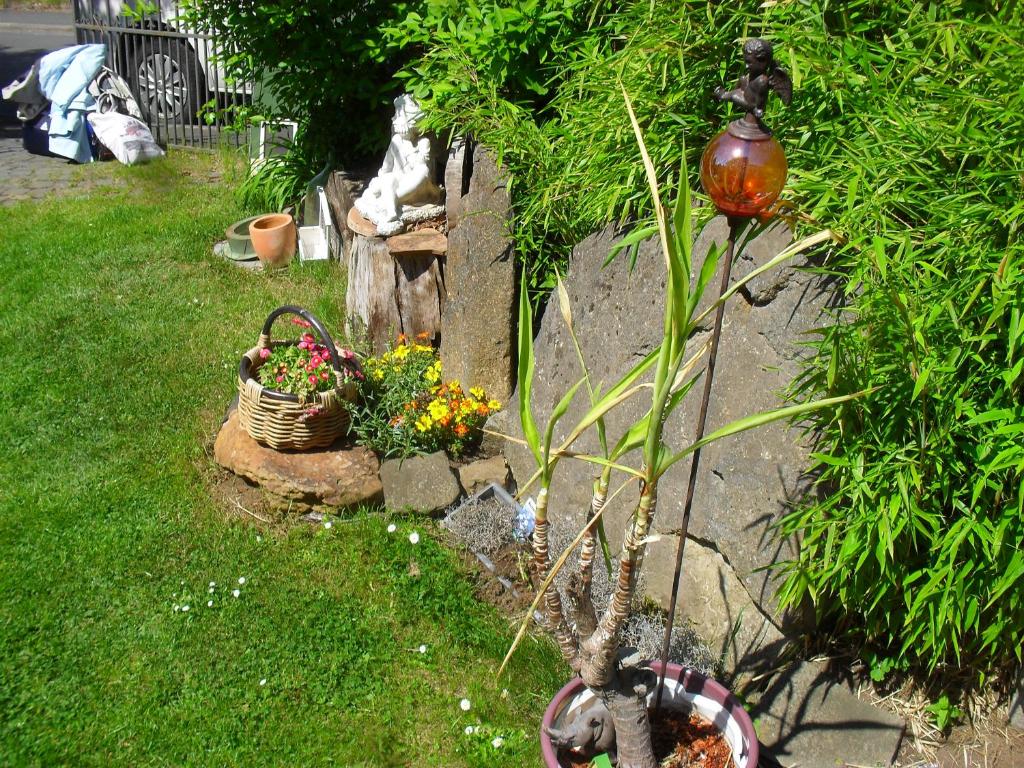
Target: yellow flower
[[494, 405], [424, 422], [477, 392], [400, 353], [438, 409], [433, 373]]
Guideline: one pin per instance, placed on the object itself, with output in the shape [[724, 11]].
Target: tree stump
[[394, 287]]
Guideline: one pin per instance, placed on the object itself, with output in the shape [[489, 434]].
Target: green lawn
[[119, 338]]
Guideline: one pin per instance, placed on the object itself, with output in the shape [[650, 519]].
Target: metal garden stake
[[743, 170]]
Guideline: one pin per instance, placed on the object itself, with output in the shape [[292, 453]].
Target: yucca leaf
[[556, 414], [754, 421], [525, 372]]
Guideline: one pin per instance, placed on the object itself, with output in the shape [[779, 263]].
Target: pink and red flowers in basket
[[303, 369]]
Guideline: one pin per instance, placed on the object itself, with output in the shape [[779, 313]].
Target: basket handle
[[337, 362]]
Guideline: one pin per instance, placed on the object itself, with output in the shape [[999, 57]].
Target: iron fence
[[183, 93]]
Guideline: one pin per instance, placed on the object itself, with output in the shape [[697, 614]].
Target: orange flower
[[402, 338], [422, 336], [481, 409], [461, 430]]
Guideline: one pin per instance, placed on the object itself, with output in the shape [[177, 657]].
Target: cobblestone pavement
[[32, 177]]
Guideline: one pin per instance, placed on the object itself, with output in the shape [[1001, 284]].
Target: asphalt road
[[24, 37]]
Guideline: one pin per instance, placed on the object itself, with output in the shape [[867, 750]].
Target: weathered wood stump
[[395, 285]]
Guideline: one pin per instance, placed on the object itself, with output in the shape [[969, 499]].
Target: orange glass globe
[[743, 177]]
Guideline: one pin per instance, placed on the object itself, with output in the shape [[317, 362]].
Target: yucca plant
[[589, 635]]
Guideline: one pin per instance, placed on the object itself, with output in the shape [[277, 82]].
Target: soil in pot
[[680, 740]]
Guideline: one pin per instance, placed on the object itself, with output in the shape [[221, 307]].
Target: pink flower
[[280, 379], [264, 353], [308, 338], [315, 361], [312, 379], [302, 345], [324, 375], [347, 354]]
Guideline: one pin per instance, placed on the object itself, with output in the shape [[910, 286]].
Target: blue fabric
[[64, 78]]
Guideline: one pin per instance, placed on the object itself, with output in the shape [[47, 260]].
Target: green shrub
[[905, 137], [313, 62]]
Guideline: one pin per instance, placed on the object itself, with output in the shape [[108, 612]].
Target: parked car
[[171, 68]]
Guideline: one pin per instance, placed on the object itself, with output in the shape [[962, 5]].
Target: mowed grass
[[119, 337]]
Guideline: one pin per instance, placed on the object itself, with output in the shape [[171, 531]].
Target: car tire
[[168, 81]]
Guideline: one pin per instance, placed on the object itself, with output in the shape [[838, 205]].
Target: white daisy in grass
[[464, 705], [497, 742], [469, 730], [422, 649], [236, 592], [414, 538], [392, 528], [209, 603], [241, 579]]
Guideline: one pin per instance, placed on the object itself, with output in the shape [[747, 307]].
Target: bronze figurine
[[763, 74]]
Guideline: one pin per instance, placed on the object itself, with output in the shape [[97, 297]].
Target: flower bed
[[407, 408]]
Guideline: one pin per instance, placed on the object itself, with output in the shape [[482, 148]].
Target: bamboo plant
[[588, 635]]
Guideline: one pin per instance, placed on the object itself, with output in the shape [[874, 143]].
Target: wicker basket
[[280, 420]]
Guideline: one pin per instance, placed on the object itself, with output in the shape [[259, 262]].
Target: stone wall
[[745, 482]]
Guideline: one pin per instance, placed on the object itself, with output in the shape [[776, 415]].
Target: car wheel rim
[[162, 86]]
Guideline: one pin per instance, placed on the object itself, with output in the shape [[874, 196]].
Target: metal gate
[[182, 91]]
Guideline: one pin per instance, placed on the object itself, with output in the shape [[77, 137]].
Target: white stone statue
[[403, 191]]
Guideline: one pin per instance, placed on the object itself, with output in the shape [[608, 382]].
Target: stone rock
[[338, 476], [478, 475], [1016, 712], [745, 482], [716, 604], [419, 483], [477, 326], [807, 717], [428, 241]]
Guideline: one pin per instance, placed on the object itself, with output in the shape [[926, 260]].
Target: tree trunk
[[391, 294], [626, 699]]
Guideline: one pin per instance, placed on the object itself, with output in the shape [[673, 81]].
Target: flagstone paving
[[32, 177]]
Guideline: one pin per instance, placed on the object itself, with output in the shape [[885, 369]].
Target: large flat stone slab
[[1016, 713], [716, 604], [338, 476], [806, 717], [744, 483]]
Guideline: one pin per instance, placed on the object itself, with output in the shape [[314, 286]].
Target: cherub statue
[[403, 190], [751, 91]]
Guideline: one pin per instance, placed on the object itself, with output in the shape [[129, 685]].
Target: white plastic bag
[[128, 138]]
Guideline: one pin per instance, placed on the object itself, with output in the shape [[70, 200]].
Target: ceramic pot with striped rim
[[685, 689]]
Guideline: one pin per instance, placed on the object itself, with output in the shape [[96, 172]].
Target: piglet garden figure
[[404, 190]]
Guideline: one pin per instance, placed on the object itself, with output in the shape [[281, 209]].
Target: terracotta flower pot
[[273, 238], [684, 689]]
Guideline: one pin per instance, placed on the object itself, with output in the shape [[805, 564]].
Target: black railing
[[173, 71]]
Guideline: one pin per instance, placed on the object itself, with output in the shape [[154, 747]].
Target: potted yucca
[[607, 703]]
